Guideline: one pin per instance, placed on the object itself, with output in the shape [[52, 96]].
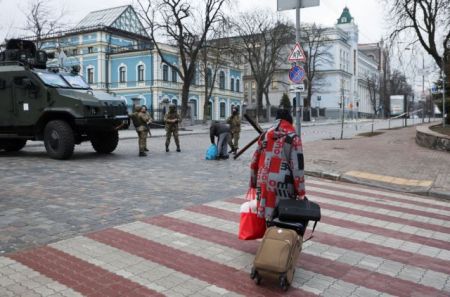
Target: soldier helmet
[[172, 107]]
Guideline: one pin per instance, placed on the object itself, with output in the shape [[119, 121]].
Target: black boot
[[178, 149], [167, 148], [142, 154]]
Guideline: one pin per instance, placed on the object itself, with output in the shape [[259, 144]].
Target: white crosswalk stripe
[[17, 279], [344, 187], [385, 202], [377, 210]]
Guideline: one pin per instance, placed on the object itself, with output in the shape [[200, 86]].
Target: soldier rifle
[[257, 128]]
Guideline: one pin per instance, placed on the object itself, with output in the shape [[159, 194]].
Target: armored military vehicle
[[53, 105]]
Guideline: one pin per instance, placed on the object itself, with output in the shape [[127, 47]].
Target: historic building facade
[[346, 75], [117, 56]]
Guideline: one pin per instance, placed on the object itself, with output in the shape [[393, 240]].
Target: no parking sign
[[296, 74]]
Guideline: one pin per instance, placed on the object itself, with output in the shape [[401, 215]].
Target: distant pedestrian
[[222, 132], [277, 167], [141, 119], [235, 129], [172, 119]]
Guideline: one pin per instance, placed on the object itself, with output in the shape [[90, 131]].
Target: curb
[[335, 176]]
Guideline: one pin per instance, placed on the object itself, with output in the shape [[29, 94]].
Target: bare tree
[[214, 56], [429, 20], [185, 27], [317, 46], [261, 39], [41, 20], [373, 86], [398, 84]]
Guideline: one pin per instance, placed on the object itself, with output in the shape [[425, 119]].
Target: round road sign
[[297, 74]]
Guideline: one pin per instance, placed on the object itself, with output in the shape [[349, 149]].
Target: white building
[[346, 73]]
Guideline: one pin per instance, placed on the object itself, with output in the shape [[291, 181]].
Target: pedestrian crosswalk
[[370, 242]]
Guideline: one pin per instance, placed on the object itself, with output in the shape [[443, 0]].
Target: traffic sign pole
[[299, 105]]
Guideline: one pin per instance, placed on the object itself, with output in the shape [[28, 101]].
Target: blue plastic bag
[[211, 153]]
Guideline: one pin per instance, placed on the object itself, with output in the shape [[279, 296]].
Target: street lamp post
[[443, 97], [299, 104]]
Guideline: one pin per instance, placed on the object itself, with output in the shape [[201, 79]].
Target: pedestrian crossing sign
[[297, 54]]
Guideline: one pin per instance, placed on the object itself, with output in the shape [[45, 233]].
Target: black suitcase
[[298, 210]]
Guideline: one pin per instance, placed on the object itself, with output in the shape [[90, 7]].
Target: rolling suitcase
[[277, 255]]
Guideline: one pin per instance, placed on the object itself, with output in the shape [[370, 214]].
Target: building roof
[[346, 17], [122, 18], [104, 17]]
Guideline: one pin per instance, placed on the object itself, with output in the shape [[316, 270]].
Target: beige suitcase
[[277, 256]]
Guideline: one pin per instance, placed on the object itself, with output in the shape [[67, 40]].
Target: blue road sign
[[297, 74]]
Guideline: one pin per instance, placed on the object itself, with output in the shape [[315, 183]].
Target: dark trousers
[[222, 145]]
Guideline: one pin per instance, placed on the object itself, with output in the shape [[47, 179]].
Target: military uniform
[[235, 129], [172, 119], [141, 121]]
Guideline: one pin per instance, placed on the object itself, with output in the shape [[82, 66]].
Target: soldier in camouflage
[[172, 119], [141, 119], [235, 129]]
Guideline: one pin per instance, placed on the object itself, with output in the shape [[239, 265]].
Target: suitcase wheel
[[283, 282], [255, 276]]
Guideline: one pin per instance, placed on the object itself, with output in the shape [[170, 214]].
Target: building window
[[274, 84], [222, 109], [90, 50], [122, 74], [209, 82], [140, 70], [222, 80], [238, 85], [174, 75], [90, 75], [165, 73], [253, 85], [194, 78], [74, 52], [232, 84]]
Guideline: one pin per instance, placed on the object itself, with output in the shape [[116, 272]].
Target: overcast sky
[[368, 14]]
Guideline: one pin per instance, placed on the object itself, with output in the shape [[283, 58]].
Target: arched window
[[165, 73], [140, 71], [222, 109], [122, 74], [238, 85], [222, 80], [232, 84], [209, 81]]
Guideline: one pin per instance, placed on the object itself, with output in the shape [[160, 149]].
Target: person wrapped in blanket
[[277, 167]]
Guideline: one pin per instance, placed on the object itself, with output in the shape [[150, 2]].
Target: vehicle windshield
[[52, 79], [75, 81]]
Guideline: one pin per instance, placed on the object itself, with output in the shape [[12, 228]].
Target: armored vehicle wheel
[[105, 142], [12, 145], [59, 140]]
